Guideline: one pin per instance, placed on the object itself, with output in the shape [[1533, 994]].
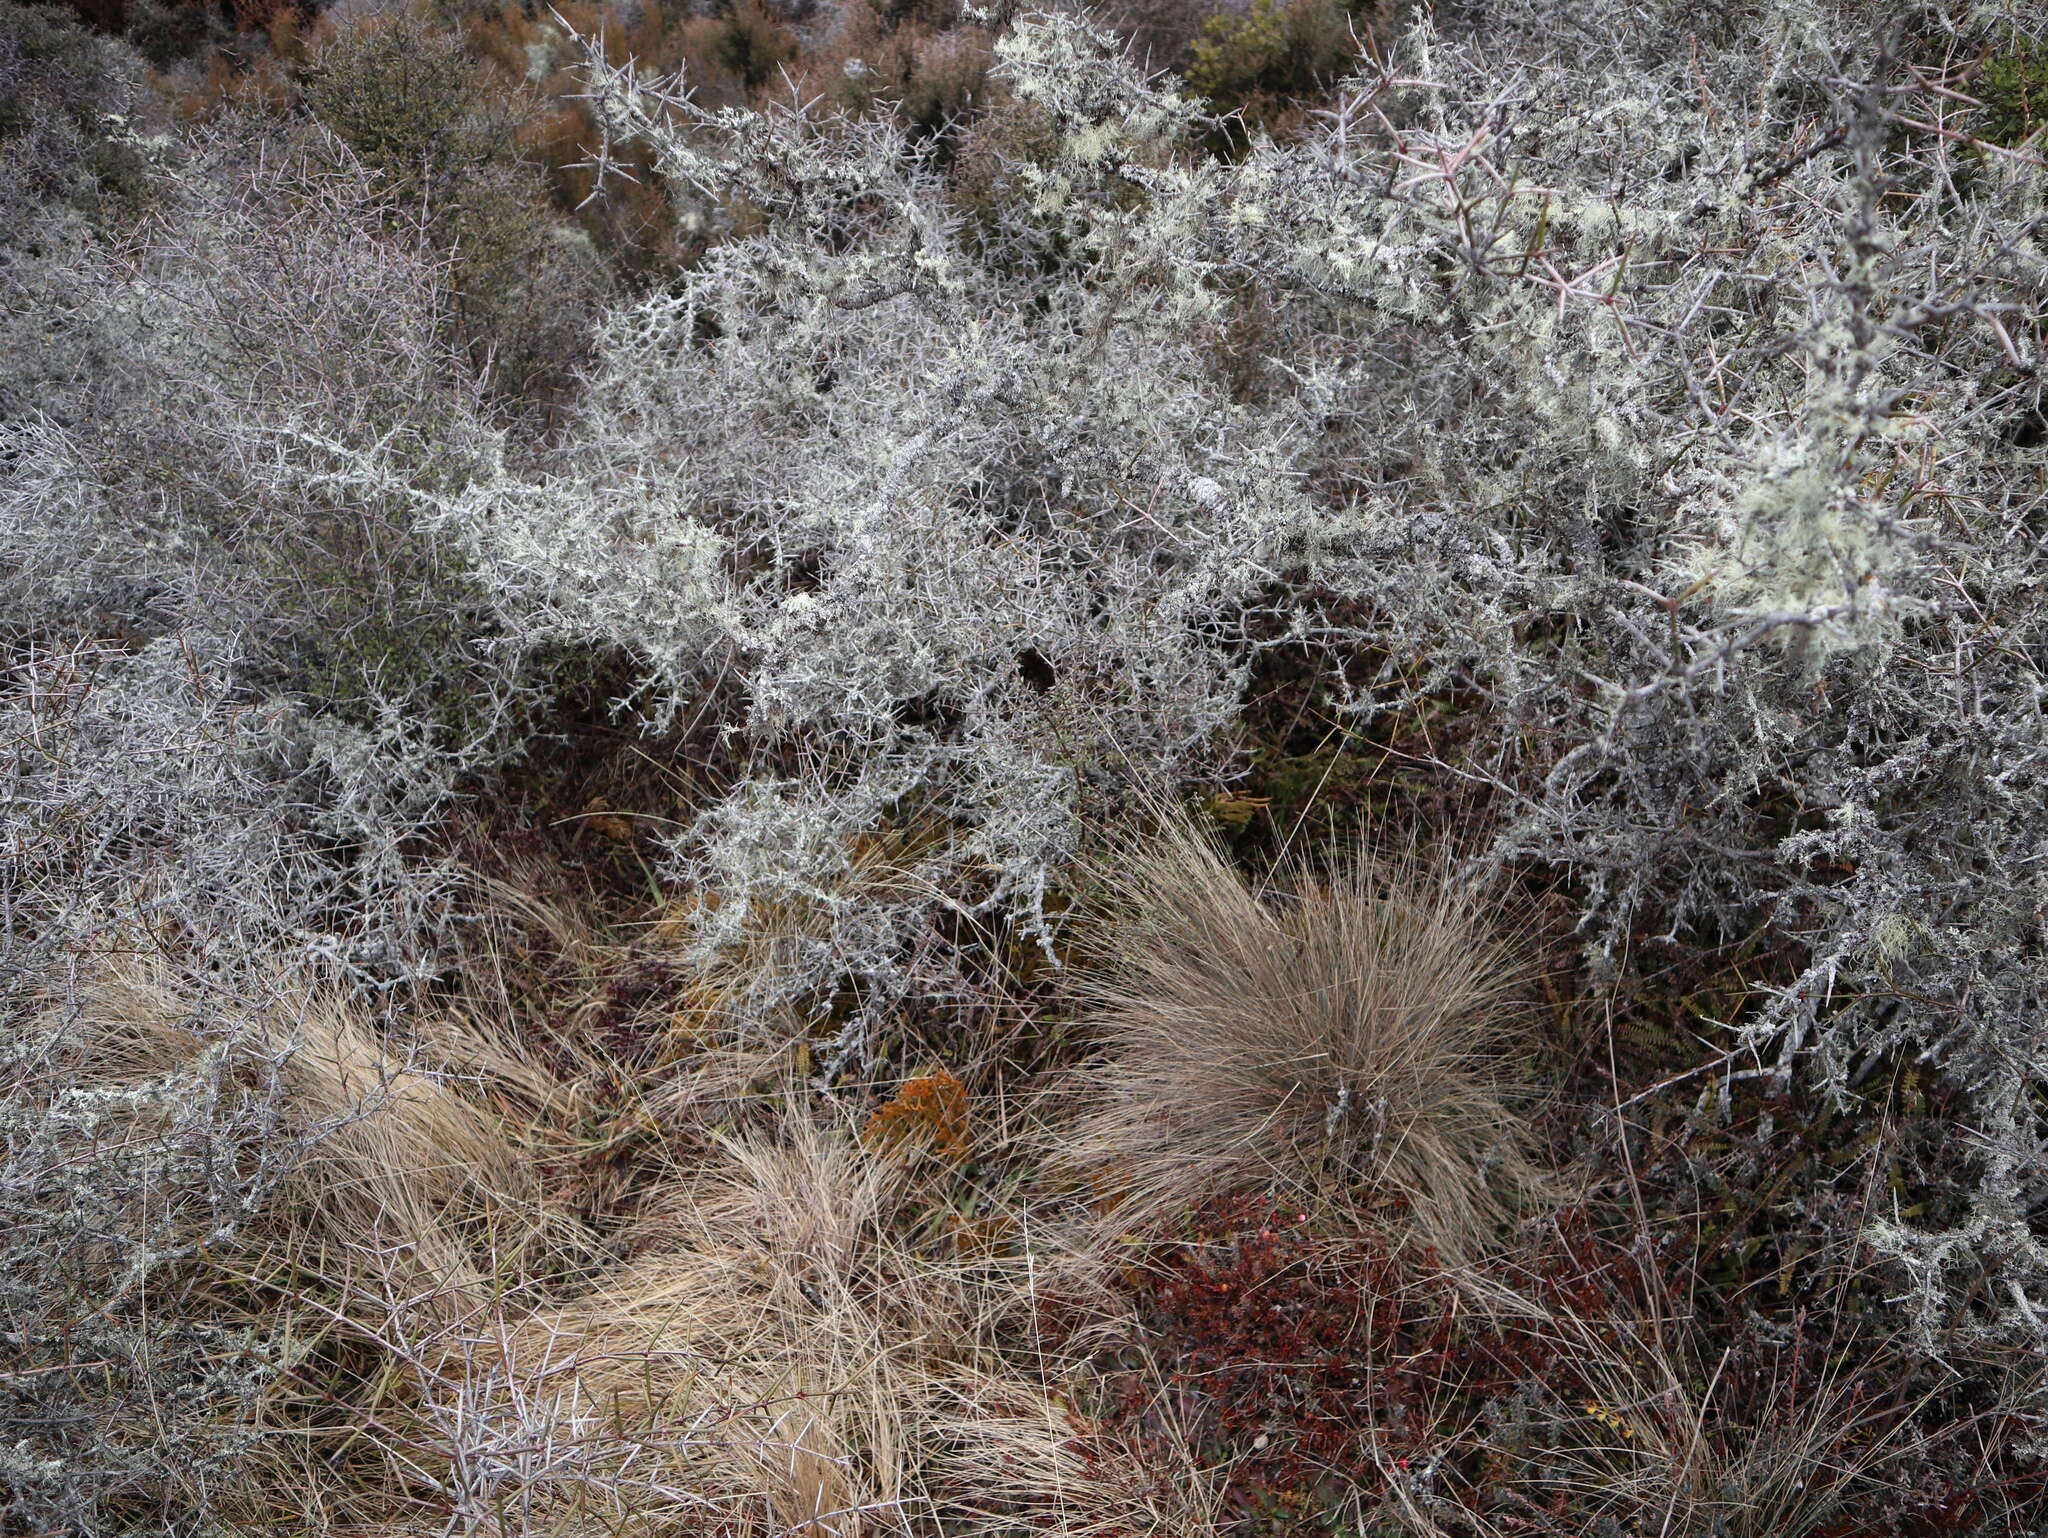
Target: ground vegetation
[[903, 768]]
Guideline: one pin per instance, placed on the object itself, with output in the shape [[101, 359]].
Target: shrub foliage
[[930, 440]]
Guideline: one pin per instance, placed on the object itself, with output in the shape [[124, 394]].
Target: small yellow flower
[[1611, 1419]]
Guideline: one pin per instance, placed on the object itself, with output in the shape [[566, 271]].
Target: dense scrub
[[846, 769]]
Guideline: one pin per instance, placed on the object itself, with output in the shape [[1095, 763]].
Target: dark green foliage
[[1261, 66], [412, 104], [165, 32], [750, 45], [405, 97], [2013, 86], [48, 65]]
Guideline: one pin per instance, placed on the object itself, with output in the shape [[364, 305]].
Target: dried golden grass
[[1347, 1043], [796, 1346], [835, 1376], [402, 1208], [707, 1056], [399, 1167]]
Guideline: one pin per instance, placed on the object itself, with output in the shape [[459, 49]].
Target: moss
[[2013, 87]]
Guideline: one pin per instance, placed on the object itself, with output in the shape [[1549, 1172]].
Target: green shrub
[[529, 285], [2013, 86], [1161, 33], [1259, 66], [748, 44], [434, 131], [166, 32], [406, 98]]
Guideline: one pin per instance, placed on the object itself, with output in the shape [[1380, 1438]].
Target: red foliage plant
[[1323, 1375]]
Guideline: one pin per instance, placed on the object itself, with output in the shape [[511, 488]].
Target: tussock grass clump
[[1344, 1042], [828, 1370]]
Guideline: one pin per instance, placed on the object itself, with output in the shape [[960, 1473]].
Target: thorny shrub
[[61, 90], [1660, 384], [421, 116], [972, 513], [1678, 410]]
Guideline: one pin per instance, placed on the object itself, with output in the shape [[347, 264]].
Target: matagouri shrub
[[538, 754]]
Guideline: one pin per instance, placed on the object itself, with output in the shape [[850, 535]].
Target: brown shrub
[[919, 63]]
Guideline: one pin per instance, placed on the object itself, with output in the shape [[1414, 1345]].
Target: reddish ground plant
[[1332, 1382]]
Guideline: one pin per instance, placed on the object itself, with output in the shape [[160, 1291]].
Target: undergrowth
[[846, 769]]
